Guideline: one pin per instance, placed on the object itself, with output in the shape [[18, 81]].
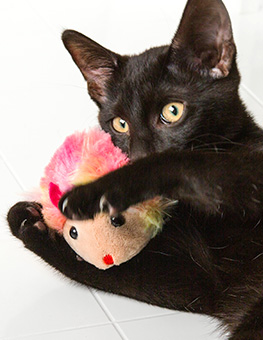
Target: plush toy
[[102, 241]]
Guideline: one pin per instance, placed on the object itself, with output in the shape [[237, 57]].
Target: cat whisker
[[219, 248], [255, 200], [255, 226], [199, 265], [229, 259], [196, 299], [191, 303], [222, 140], [256, 257], [159, 252], [258, 244], [211, 149]]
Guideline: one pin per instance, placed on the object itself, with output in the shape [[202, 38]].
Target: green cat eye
[[120, 125], [172, 112]]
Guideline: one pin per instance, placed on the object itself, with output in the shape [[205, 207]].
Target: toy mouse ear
[[54, 193]]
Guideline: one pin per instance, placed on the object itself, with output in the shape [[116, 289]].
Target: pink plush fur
[[82, 158]]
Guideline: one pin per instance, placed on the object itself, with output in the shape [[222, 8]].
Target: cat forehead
[[149, 61]]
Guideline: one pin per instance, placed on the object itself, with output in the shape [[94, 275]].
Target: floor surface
[[43, 99]]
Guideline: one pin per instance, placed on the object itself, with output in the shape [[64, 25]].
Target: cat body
[[175, 110]]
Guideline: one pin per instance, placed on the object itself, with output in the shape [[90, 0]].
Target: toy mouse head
[[103, 241]]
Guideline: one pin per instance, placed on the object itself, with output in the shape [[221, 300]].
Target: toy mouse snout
[[107, 259]]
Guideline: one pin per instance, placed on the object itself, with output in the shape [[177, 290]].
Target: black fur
[[209, 257]]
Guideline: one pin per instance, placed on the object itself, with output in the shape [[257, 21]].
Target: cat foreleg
[[211, 182]]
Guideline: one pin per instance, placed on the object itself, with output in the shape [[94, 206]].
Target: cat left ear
[[204, 39], [96, 63]]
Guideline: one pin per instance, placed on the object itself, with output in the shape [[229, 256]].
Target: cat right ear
[[204, 39], [96, 63]]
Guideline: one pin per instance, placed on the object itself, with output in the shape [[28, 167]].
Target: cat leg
[[158, 275], [251, 327], [211, 182], [26, 223]]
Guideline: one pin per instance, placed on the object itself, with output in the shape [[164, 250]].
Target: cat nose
[[141, 147], [137, 155]]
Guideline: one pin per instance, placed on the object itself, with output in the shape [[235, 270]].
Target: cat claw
[[116, 219], [33, 211], [40, 226], [23, 226], [105, 206], [64, 206], [78, 258], [82, 204], [66, 211]]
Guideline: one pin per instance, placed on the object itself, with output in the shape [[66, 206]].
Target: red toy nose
[[108, 259]]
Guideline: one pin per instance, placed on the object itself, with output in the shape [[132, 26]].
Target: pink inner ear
[[54, 193]]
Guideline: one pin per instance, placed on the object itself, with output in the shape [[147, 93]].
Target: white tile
[[249, 39], [122, 308], [253, 104], [183, 326], [92, 333], [35, 299], [119, 27], [36, 123], [10, 193], [43, 95]]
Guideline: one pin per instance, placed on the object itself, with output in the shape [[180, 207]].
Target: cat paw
[[24, 216], [85, 202]]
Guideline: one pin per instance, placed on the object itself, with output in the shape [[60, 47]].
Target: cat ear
[[95, 62], [204, 39]]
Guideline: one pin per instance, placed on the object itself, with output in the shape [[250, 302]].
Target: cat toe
[[24, 215]]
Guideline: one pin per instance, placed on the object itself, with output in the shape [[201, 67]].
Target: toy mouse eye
[[73, 233], [117, 221]]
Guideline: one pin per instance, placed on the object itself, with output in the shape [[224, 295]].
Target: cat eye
[[120, 125], [172, 112], [73, 233]]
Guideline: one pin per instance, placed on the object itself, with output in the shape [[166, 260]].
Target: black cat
[[176, 111]]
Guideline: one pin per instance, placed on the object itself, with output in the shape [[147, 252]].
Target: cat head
[[184, 95]]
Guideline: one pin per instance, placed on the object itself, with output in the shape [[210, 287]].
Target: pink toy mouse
[[103, 242]]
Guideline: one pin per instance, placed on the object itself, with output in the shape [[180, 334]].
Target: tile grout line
[[58, 331], [251, 94], [109, 315], [147, 317], [10, 169], [41, 17]]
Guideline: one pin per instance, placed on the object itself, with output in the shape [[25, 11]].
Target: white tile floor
[[43, 99]]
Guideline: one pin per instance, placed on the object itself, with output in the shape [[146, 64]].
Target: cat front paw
[[24, 216], [84, 202], [81, 203]]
